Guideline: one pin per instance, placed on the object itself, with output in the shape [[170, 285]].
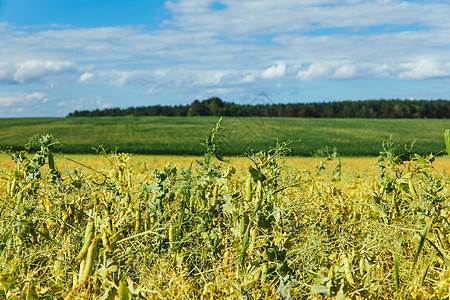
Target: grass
[[183, 136]]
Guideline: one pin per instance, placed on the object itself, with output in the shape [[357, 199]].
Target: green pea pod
[[88, 235]]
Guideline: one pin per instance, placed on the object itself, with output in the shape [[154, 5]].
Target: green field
[[184, 135]]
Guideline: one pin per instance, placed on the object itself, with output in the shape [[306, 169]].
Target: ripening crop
[[214, 231]]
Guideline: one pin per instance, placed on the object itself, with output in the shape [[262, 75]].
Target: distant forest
[[344, 109]]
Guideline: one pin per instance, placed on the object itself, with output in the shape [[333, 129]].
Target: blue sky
[[57, 56]]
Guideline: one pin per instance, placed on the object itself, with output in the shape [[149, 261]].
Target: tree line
[[343, 109]]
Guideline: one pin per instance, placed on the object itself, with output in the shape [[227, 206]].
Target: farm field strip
[[184, 135]]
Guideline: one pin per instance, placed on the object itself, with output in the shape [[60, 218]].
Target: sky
[[58, 56]]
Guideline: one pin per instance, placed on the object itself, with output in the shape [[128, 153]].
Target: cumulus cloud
[[346, 71], [341, 71], [32, 70], [424, 68], [316, 71], [275, 71]]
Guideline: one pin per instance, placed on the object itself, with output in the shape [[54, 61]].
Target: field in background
[[184, 135]]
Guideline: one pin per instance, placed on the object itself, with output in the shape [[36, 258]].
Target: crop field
[[184, 135], [264, 226]]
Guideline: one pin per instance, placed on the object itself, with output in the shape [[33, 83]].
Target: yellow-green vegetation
[[210, 230]]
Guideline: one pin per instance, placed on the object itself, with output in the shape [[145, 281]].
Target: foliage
[[212, 144], [343, 109], [269, 232]]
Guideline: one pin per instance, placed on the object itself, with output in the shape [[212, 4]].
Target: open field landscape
[[184, 135], [264, 226], [218, 149]]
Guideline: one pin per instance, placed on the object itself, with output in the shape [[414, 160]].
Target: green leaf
[[447, 140], [256, 174], [320, 289], [7, 280], [423, 238], [440, 254], [340, 296], [396, 263], [228, 207]]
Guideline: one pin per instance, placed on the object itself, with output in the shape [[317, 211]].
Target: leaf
[[320, 289], [440, 254], [396, 263], [447, 140], [419, 159], [256, 174], [7, 281], [340, 296], [322, 280], [422, 241], [133, 287], [228, 207]]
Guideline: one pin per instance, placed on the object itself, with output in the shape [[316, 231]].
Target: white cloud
[[424, 68], [245, 33], [275, 71], [267, 16], [9, 100], [86, 77], [346, 71], [19, 98], [32, 70], [121, 78], [316, 70], [248, 78], [383, 70], [83, 103], [36, 96], [169, 78], [220, 91]]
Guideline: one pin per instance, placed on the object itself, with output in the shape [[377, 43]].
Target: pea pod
[[90, 259], [88, 235], [248, 188]]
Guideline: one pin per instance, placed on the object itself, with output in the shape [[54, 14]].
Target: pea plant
[[214, 230]]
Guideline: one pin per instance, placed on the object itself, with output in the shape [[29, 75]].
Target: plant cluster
[[210, 231]]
